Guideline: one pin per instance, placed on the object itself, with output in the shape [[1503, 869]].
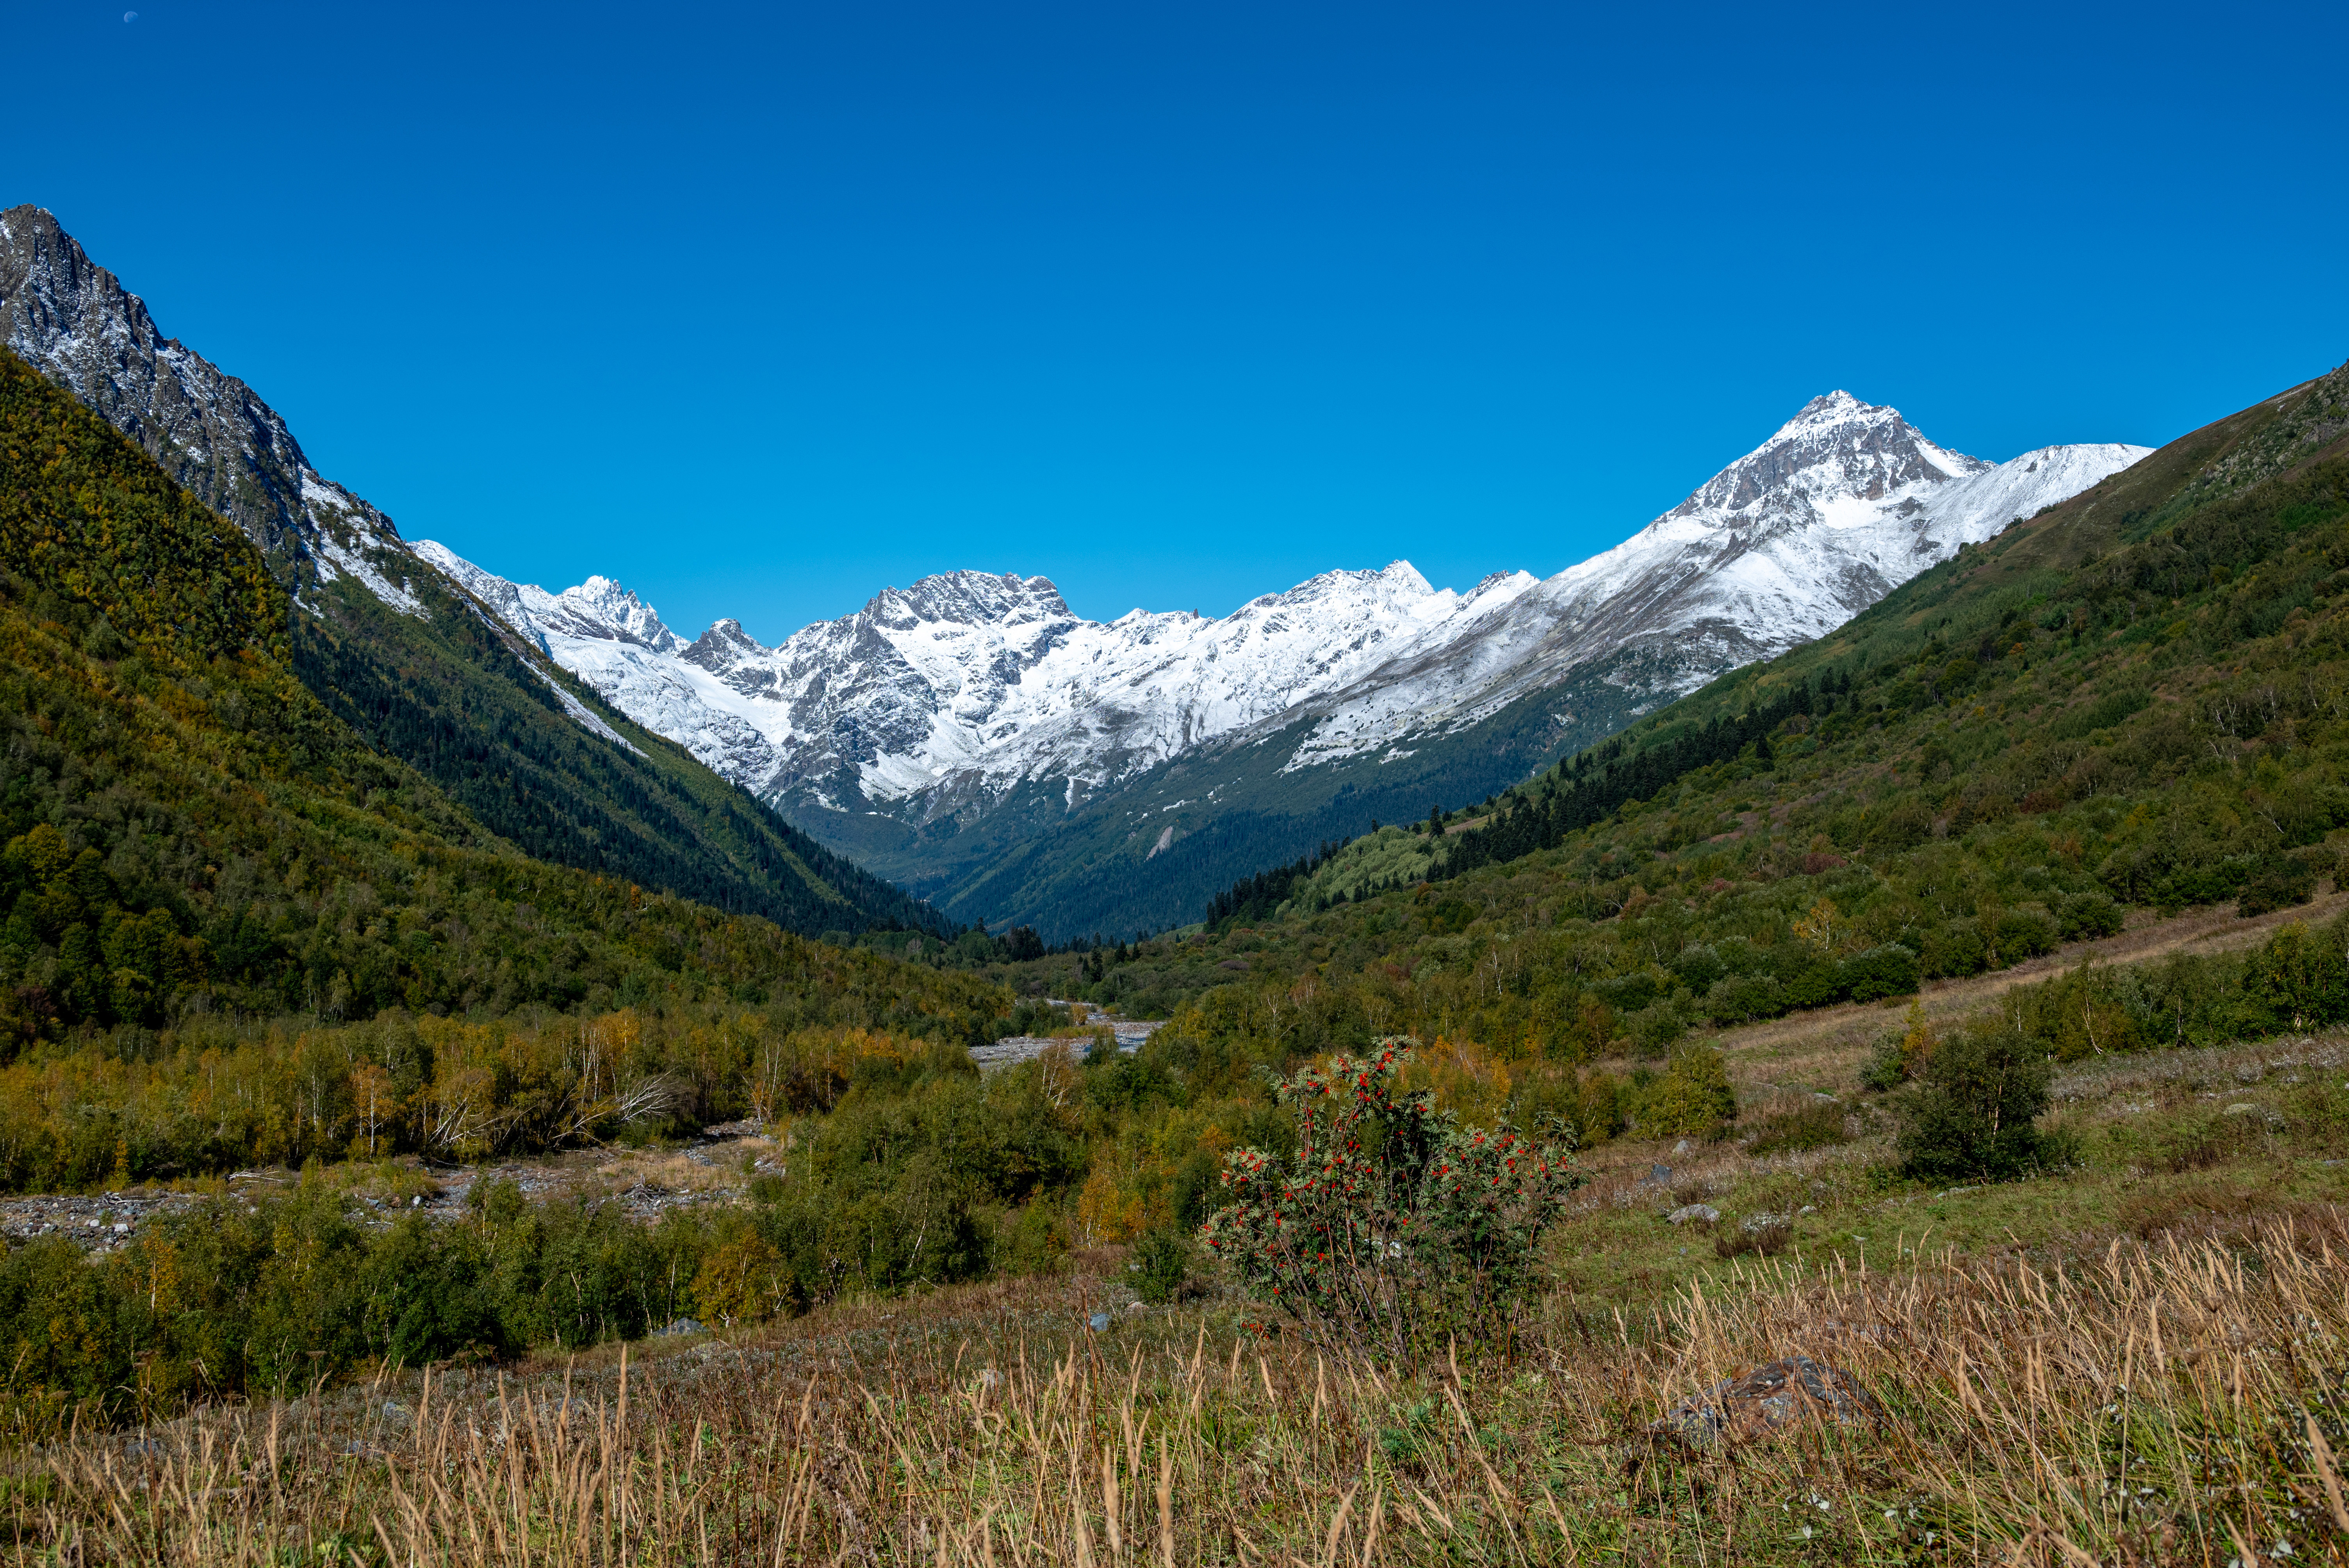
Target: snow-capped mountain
[[941, 699], [1843, 504], [966, 684]]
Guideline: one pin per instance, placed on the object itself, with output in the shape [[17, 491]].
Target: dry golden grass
[[1823, 1046], [2153, 1405]]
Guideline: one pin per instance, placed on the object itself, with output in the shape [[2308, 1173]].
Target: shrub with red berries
[[1393, 1229]]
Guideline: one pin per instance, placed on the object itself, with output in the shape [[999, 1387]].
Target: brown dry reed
[[2173, 1402]]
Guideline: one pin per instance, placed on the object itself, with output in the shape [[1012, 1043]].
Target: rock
[[1097, 1322], [750, 1127], [1704, 1211], [2242, 1109], [686, 1326], [1773, 1396], [1682, 1147], [1656, 1176], [1753, 1222], [989, 1379]]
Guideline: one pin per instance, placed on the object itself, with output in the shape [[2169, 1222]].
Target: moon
[[130, 16]]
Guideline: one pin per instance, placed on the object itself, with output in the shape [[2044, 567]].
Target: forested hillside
[[188, 830], [448, 693]]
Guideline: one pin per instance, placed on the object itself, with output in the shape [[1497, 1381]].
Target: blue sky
[[760, 308]]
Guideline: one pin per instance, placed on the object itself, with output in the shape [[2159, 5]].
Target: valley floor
[[2144, 1402], [2117, 1364]]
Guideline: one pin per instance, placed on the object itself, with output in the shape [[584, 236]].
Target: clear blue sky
[[760, 308]]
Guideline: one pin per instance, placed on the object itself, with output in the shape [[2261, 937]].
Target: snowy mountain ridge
[[976, 682], [942, 697]]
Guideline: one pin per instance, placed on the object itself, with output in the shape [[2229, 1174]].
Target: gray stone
[[1704, 1211], [1771, 1396]]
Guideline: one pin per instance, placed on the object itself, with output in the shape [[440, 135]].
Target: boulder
[[1770, 1397], [1703, 1211]]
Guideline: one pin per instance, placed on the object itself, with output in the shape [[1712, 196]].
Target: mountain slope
[[973, 737], [2143, 595], [186, 831], [2132, 700], [405, 655]]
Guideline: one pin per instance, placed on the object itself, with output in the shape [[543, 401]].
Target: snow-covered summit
[[1845, 502]]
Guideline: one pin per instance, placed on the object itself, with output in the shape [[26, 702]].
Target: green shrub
[[2086, 915], [1392, 1229], [1743, 998], [2278, 884], [1890, 970], [1162, 1264], [1973, 1112], [1887, 1068], [1698, 967], [1029, 1242], [2023, 935], [1653, 1028], [1693, 1096], [1953, 950]]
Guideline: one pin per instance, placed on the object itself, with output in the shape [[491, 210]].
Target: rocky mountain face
[[407, 656], [973, 737], [73, 321]]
